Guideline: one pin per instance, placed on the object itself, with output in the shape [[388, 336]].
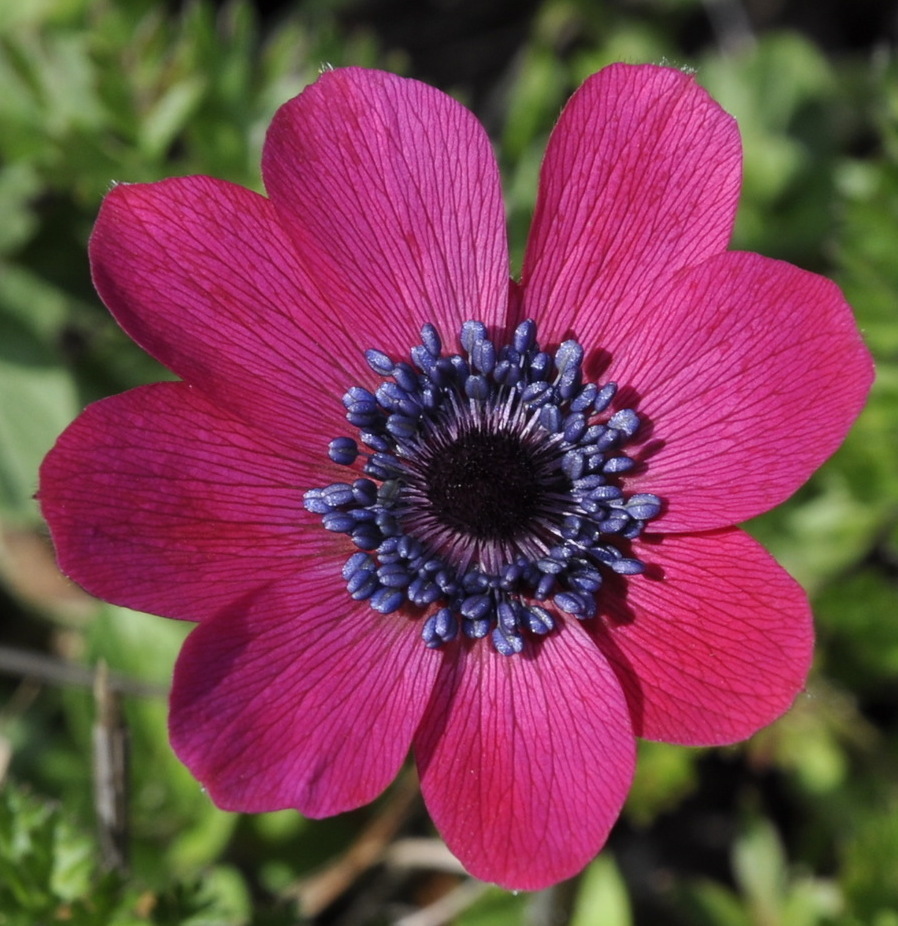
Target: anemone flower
[[414, 506]]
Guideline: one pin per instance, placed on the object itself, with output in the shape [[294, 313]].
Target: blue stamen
[[491, 482]]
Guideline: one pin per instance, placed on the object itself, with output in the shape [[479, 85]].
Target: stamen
[[490, 484]]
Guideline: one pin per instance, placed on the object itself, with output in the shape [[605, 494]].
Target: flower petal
[[158, 500], [750, 373], [525, 761], [641, 178], [298, 700], [199, 273], [398, 184], [713, 643]]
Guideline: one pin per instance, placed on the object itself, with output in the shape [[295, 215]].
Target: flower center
[[491, 484], [485, 485]]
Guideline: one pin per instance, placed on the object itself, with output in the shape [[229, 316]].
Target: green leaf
[[603, 896], [39, 395]]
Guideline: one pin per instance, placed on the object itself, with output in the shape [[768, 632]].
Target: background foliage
[[795, 828]]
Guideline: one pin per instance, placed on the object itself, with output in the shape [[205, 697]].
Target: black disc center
[[486, 484]]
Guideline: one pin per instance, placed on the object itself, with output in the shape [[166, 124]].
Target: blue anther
[[539, 620], [475, 607], [422, 591], [628, 567], [406, 377], [604, 398], [439, 628], [471, 332], [446, 624], [507, 644], [544, 587], [550, 418], [375, 441], [314, 502], [366, 536], [614, 524], [397, 399], [576, 603], [551, 565], [476, 629], [524, 336], [394, 575], [621, 464], [477, 388], [574, 427], [364, 492], [459, 370], [584, 398], [430, 340], [511, 573], [424, 360], [483, 356], [568, 356], [505, 373], [540, 366], [569, 382], [585, 579], [388, 551], [337, 493], [538, 394], [573, 464], [359, 400], [594, 434], [429, 633], [507, 616], [609, 439], [343, 450], [643, 506], [387, 600], [339, 522], [626, 420], [388, 493], [379, 362], [357, 562], [409, 547], [362, 585], [402, 427]]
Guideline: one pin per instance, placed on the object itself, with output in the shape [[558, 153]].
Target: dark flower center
[[486, 485], [491, 485]]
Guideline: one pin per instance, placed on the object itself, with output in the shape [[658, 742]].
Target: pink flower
[[565, 549]]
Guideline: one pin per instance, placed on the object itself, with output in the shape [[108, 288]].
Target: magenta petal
[[158, 500], [299, 699], [641, 178], [199, 273], [750, 373], [525, 761], [398, 183], [714, 647]]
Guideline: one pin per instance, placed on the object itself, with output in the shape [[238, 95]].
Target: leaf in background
[[665, 775], [19, 184], [603, 897], [39, 396], [44, 861], [169, 114]]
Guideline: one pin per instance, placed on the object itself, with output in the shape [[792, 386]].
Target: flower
[[413, 506]]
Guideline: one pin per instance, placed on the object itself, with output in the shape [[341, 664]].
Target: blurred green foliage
[[799, 826]]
